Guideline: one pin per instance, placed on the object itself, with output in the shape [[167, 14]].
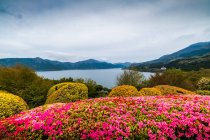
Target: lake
[[105, 77]]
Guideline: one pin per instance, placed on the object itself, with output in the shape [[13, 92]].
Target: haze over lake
[[105, 77]]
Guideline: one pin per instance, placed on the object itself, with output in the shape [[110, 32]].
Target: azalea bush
[[11, 104], [146, 117], [67, 92], [149, 92], [166, 89], [123, 91]]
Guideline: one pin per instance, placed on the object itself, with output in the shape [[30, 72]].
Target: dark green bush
[[25, 83], [172, 77], [94, 90], [204, 83]]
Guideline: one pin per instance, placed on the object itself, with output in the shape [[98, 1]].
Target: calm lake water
[[105, 77]]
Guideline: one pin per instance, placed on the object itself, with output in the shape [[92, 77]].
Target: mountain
[[195, 50], [125, 64], [192, 63], [94, 64], [40, 64]]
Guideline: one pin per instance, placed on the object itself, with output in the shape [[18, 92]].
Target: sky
[[107, 30]]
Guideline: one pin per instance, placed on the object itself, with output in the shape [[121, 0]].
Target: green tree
[[173, 77], [130, 77], [94, 90], [24, 82]]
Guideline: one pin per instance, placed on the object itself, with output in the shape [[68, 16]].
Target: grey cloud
[[120, 30], [4, 11]]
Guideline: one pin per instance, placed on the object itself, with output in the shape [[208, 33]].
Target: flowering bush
[[124, 91], [11, 104], [149, 92], [146, 117], [67, 92], [166, 89]]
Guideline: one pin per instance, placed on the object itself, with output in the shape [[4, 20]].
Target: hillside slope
[[193, 63], [198, 51]]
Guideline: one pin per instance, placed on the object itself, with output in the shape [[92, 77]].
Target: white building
[[163, 68]]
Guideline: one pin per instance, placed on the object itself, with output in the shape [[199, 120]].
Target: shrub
[[124, 90], [166, 89], [11, 104], [172, 77], [94, 90], [67, 92], [149, 92], [204, 83], [203, 92], [56, 87], [130, 77], [25, 83], [174, 117]]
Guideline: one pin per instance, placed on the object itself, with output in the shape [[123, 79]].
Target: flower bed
[[148, 117]]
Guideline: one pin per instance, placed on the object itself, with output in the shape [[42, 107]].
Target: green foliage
[[63, 80], [130, 77], [94, 90], [173, 77], [67, 92], [24, 82], [203, 92], [11, 104], [191, 80], [204, 83], [123, 91], [192, 63], [149, 92]]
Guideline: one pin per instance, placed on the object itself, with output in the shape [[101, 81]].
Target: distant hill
[[192, 63], [40, 64], [126, 64], [194, 51]]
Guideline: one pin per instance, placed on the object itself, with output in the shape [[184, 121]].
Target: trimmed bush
[[11, 104], [56, 87], [149, 92], [124, 90], [67, 92], [166, 89], [203, 92]]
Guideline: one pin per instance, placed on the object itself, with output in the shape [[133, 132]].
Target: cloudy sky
[[109, 30]]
